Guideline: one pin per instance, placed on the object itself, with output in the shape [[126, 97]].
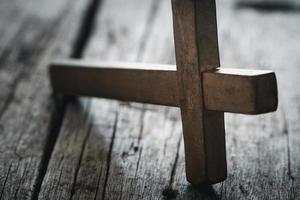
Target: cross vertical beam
[[196, 47]]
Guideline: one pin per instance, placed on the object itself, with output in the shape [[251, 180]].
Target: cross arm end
[[240, 91]]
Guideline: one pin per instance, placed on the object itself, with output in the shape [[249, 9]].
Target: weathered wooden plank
[[93, 167], [157, 145], [271, 159], [124, 156], [31, 32]]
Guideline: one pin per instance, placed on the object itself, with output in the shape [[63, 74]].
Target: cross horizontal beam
[[228, 90]]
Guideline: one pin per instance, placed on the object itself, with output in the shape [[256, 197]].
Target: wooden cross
[[197, 85]]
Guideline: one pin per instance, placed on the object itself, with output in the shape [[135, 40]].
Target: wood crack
[[79, 161], [169, 192], [142, 124], [7, 175], [20, 182], [285, 131], [109, 157], [138, 162], [98, 184], [53, 131], [59, 179], [175, 163], [81, 41]]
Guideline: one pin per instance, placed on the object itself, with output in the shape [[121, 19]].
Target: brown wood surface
[[227, 90], [240, 91], [112, 150], [196, 47]]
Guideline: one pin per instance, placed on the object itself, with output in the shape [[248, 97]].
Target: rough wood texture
[[157, 86], [146, 161], [240, 91], [196, 45], [262, 162], [31, 32], [228, 90], [128, 82], [117, 153]]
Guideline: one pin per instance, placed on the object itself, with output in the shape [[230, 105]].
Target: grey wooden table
[[102, 149]]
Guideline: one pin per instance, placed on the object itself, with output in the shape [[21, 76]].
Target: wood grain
[[196, 46], [240, 91], [262, 151], [116, 153], [31, 33], [143, 83], [227, 90]]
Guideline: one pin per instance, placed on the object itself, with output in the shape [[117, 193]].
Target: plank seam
[[80, 42], [86, 28], [53, 132]]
